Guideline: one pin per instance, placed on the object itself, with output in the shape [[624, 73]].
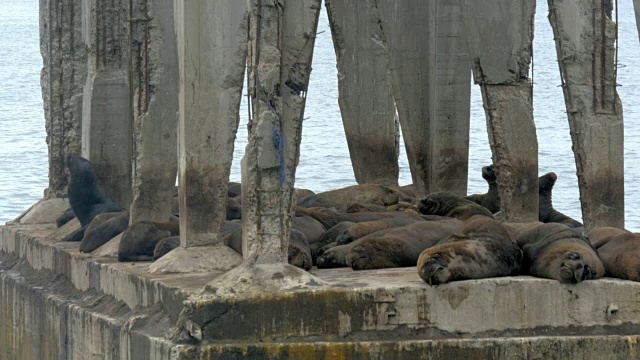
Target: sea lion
[[234, 210], [365, 228], [354, 207], [139, 241], [400, 246], [602, 235], [328, 237], [103, 228], [482, 248], [310, 227], [338, 199], [330, 217], [234, 189], [334, 257], [619, 251], [299, 253], [165, 245], [86, 197], [67, 216], [447, 204], [554, 251], [302, 193], [490, 200], [546, 212]]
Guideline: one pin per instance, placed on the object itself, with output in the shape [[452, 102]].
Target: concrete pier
[[409, 35], [62, 79], [586, 55], [106, 112], [451, 108], [212, 47], [155, 89], [636, 8], [500, 35], [364, 88]]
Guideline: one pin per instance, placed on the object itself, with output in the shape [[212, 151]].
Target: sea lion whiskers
[[434, 272]]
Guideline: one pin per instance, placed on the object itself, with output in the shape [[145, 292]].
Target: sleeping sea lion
[[328, 237], [546, 212], [619, 251], [365, 228], [330, 217], [103, 228], [490, 200], [447, 204], [338, 199], [482, 248], [86, 197], [164, 246], [310, 227], [554, 251], [140, 239], [400, 246]]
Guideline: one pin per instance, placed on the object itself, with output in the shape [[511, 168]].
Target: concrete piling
[[409, 36], [155, 90], [636, 8], [364, 91], [63, 76], [212, 48], [499, 36], [106, 111], [585, 39]]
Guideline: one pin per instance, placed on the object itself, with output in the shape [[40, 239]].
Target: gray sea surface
[[324, 162]]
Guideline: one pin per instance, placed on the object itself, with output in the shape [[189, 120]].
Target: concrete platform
[[56, 303]]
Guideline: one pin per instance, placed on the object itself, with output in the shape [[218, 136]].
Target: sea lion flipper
[[76, 235]]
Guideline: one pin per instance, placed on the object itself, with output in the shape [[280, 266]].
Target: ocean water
[[324, 162]]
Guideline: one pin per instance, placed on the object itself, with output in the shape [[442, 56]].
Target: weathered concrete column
[[451, 108], [212, 52], [586, 55], [106, 114], [499, 35], [365, 98], [63, 76], [409, 31], [155, 89], [636, 7], [281, 48]]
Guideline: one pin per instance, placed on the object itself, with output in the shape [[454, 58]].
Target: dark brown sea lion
[[365, 228], [67, 216], [447, 204], [164, 246], [354, 207], [482, 248], [328, 237], [302, 193], [86, 197], [103, 228], [400, 246], [234, 189], [299, 253], [329, 217], [490, 200], [338, 199], [334, 257], [310, 227], [619, 251], [546, 212], [554, 251], [139, 241]]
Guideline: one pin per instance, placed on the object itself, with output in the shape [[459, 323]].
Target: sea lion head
[[440, 203], [299, 258], [434, 270], [488, 173], [572, 267], [77, 164], [546, 182]]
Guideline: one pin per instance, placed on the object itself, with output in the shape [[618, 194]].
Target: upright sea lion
[[400, 246], [490, 200], [338, 199], [365, 228], [619, 251], [546, 212], [103, 228], [554, 251], [482, 248], [447, 204]]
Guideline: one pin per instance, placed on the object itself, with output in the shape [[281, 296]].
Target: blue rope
[[278, 142]]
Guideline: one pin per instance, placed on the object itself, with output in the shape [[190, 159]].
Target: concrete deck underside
[[77, 306]]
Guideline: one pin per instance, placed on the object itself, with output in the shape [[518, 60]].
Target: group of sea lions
[[372, 226]]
